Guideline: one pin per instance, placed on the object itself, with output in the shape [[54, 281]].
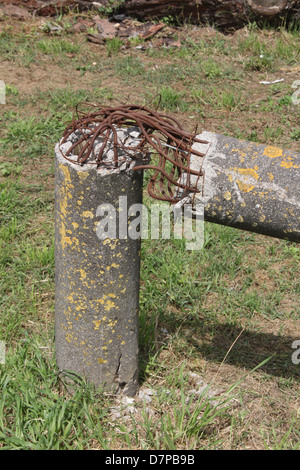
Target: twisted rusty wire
[[160, 135]]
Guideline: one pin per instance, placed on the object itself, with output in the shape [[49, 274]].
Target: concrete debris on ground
[[98, 30], [14, 11], [127, 407], [126, 28]]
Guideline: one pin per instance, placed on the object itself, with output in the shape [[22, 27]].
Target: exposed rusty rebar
[[159, 135]]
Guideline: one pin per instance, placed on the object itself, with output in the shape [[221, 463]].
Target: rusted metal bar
[[159, 135]]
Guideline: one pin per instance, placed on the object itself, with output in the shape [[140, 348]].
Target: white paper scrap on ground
[[265, 82]]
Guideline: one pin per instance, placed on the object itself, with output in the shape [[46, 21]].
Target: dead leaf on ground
[[168, 42], [95, 38], [15, 12], [152, 30], [107, 30]]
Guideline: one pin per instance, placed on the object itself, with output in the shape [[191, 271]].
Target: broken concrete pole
[[96, 278], [250, 186]]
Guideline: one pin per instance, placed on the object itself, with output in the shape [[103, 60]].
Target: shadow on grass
[[246, 348], [251, 349]]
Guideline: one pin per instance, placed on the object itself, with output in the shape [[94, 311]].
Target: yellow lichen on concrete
[[273, 152], [82, 274], [246, 187], [66, 195], [64, 239], [66, 172], [112, 243], [97, 324], [101, 361], [65, 189], [83, 175], [227, 195], [248, 172], [109, 305], [88, 214], [288, 162]]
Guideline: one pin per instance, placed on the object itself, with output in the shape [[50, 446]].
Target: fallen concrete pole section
[[249, 186]]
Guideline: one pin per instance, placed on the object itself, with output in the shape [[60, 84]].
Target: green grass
[[43, 417], [16, 48], [129, 66], [226, 315], [170, 100], [113, 46], [57, 46], [26, 130], [211, 69]]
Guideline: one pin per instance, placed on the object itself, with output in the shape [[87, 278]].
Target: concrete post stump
[[96, 280]]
